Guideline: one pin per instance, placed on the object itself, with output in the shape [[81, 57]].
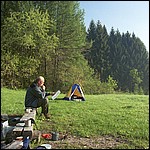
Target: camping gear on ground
[[5, 128], [14, 120], [75, 92], [20, 138], [4, 124], [44, 146], [47, 136], [56, 94], [26, 143], [55, 136], [4, 117], [41, 147]]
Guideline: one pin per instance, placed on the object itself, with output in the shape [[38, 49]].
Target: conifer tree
[[70, 29], [91, 34]]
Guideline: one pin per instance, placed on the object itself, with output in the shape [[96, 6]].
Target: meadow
[[123, 117]]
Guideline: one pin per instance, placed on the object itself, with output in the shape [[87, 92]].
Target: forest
[[49, 38]]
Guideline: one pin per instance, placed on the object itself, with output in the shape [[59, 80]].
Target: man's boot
[[47, 116]]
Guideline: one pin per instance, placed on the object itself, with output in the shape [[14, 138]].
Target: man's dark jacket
[[33, 94]]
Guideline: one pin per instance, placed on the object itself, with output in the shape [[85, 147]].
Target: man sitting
[[36, 96]]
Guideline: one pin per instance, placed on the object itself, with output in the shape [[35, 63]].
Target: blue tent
[[75, 92]]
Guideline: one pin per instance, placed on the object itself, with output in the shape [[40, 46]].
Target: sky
[[131, 16]]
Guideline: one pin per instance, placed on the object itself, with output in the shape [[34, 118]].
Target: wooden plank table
[[26, 128], [16, 144]]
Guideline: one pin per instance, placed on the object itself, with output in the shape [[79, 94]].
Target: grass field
[[122, 116]]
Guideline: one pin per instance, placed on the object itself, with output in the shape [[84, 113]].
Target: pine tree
[[70, 29], [91, 34]]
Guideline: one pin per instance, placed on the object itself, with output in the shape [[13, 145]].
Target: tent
[[75, 92]]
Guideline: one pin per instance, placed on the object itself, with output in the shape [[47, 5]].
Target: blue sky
[[131, 16]]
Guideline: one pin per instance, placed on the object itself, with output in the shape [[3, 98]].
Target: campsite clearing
[[122, 119]]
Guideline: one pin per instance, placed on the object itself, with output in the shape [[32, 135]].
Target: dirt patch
[[72, 142]]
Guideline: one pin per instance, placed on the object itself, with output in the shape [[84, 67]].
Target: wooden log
[[27, 116], [23, 131], [28, 131], [17, 144]]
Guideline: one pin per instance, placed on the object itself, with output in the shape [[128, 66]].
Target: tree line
[[49, 38], [122, 56]]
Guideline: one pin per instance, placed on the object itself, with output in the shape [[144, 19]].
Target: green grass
[[118, 115]]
